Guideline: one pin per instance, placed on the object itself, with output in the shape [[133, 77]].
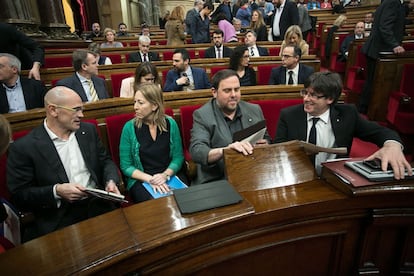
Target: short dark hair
[[222, 75], [184, 53], [218, 32], [208, 5], [297, 51], [79, 57], [120, 24], [329, 84]]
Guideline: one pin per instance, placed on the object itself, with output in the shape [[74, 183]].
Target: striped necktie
[[92, 91]]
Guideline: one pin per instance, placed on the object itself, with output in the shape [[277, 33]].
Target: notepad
[[174, 183], [252, 133], [206, 196], [106, 195]]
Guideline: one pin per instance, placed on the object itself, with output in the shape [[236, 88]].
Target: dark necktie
[[251, 52], [219, 53], [312, 135], [290, 81], [145, 57]]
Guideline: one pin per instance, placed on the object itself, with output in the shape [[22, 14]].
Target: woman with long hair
[[174, 28], [258, 25], [293, 36], [145, 72], [150, 147], [239, 62]]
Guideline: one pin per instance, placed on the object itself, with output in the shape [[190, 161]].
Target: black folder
[[206, 196]]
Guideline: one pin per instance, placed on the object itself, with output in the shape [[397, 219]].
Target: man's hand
[[112, 187], [391, 153], [35, 71], [398, 50], [70, 191], [243, 147]]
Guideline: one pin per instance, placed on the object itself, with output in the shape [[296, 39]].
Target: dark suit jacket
[[262, 51], [278, 74], [136, 57], [345, 45], [17, 43], [289, 17], [33, 91], [211, 52], [388, 30], [199, 75], [346, 124], [34, 167], [74, 83]]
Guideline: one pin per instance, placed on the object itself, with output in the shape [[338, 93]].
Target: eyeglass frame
[[73, 109], [304, 92]]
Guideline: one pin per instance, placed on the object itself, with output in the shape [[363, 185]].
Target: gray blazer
[[210, 131], [74, 83]]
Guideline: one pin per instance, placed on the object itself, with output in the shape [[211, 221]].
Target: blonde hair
[[177, 14], [260, 21], [340, 20], [302, 44], [153, 94], [107, 30], [294, 29]]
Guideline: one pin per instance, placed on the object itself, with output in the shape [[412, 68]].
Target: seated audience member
[[326, 4], [368, 20], [314, 5], [293, 36], [145, 72], [96, 48], [338, 23], [49, 168], [174, 28], [337, 7], [250, 42], [216, 122], [238, 26], [144, 54], [145, 29], [337, 124], [359, 31], [239, 62], [183, 76], [244, 13], [258, 25], [218, 50], [85, 81], [18, 93], [292, 71], [110, 40], [150, 148], [122, 30], [201, 33], [229, 32], [96, 31], [30, 53]]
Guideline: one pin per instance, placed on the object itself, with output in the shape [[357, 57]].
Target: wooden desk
[[303, 227]]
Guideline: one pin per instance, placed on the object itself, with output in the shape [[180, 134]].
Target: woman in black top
[[239, 62]]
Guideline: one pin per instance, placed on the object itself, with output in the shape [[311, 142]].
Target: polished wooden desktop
[[290, 223]]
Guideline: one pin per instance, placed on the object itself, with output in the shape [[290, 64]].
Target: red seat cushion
[[56, 62], [264, 73], [116, 80], [186, 114]]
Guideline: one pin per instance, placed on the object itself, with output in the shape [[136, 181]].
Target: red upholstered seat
[[167, 55], [362, 149], [116, 80], [274, 51], [59, 61], [263, 72], [400, 113], [215, 69], [186, 114], [271, 111], [115, 58]]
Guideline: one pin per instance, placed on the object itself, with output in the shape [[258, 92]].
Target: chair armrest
[[401, 97]]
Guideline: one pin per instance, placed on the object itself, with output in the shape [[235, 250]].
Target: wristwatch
[[167, 176]]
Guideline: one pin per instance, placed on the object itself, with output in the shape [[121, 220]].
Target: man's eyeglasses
[[312, 95], [73, 109], [286, 56]]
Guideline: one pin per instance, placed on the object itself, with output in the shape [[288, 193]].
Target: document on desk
[[251, 134]]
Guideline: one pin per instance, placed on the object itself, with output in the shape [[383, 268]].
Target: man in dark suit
[[85, 81], [96, 31], [216, 122], [286, 14], [183, 76], [144, 53], [292, 71], [337, 124], [359, 31], [18, 93], [49, 168], [386, 36], [218, 50], [27, 50], [250, 41]]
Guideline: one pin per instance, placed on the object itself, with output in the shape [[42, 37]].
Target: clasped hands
[[159, 183]]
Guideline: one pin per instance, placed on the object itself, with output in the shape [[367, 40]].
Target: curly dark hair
[[236, 56]]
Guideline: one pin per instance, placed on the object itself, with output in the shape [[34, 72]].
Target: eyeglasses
[[286, 56], [73, 109], [311, 95]]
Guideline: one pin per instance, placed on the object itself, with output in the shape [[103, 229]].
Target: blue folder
[[174, 183]]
